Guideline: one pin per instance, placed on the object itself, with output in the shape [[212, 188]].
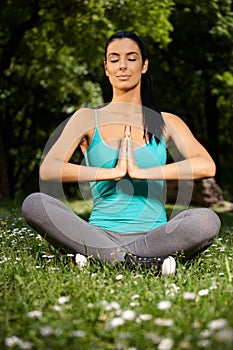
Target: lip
[[123, 77]]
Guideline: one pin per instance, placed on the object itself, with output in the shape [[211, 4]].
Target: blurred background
[[51, 64]]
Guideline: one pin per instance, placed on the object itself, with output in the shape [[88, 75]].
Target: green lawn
[[47, 302]]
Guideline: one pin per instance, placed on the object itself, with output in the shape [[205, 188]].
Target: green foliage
[[48, 302], [194, 76]]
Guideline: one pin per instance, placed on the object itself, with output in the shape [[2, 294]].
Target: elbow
[[210, 169], [51, 170], [46, 172], [43, 173]]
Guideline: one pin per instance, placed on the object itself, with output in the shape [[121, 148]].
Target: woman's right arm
[[56, 165]]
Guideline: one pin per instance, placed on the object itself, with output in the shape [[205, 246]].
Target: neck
[[124, 112], [131, 96]]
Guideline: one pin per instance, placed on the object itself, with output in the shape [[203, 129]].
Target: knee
[[30, 204], [210, 221]]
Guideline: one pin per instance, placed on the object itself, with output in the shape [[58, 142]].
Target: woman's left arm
[[196, 162]]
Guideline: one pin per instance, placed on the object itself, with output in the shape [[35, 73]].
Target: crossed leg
[[189, 232]]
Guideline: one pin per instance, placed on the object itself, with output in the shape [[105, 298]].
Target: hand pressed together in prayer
[[126, 164]]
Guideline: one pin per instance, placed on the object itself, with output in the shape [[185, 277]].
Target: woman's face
[[124, 65]]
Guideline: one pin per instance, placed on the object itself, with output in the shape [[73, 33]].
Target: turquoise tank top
[[127, 205]]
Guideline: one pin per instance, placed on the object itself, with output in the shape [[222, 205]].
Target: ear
[[145, 66], [105, 68]]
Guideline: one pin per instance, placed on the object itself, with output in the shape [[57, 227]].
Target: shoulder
[[170, 118], [83, 114], [83, 120], [174, 123], [175, 128], [78, 127]]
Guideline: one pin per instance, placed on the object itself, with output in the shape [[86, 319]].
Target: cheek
[[136, 69], [109, 70]]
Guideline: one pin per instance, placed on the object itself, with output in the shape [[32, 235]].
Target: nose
[[123, 64]]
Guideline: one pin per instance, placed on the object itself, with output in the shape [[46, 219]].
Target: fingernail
[[128, 130]]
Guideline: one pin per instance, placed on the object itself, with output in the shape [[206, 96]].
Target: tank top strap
[[96, 118]]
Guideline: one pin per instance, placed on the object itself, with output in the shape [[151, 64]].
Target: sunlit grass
[[47, 302]]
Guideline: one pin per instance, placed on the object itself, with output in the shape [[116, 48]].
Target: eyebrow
[[128, 54]]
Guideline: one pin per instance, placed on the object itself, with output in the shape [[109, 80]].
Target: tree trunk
[[16, 36]]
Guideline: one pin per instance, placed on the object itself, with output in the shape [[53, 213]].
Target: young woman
[[124, 145]]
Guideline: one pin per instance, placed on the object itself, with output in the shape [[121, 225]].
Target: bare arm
[[196, 162], [56, 164]]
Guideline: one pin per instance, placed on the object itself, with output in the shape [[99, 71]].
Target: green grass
[[93, 316]]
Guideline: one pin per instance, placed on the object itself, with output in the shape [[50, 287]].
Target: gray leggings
[[188, 232]]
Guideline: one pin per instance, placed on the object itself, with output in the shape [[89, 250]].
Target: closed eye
[[117, 59]]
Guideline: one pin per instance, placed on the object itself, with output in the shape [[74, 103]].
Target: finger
[[127, 133], [130, 150], [123, 149], [122, 158]]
